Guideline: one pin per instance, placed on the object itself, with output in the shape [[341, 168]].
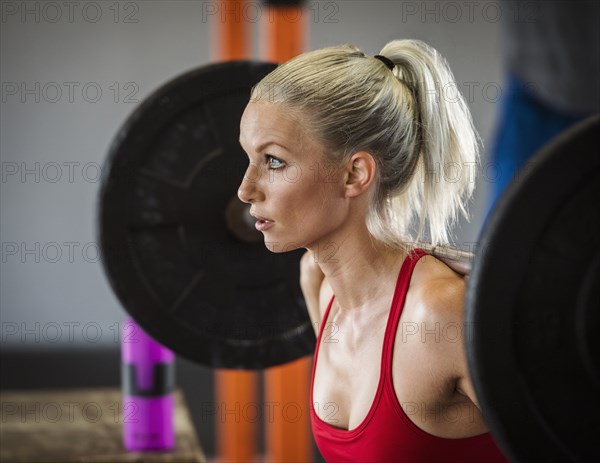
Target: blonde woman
[[346, 153]]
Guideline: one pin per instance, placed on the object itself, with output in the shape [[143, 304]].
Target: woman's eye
[[273, 162]]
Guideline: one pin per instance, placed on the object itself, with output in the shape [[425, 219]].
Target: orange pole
[[235, 390], [284, 32], [231, 32], [288, 435], [236, 397]]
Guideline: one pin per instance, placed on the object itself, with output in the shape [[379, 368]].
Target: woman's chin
[[280, 246]]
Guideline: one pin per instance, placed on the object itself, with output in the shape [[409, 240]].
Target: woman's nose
[[249, 190]]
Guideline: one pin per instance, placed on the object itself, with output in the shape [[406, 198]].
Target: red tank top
[[387, 434]]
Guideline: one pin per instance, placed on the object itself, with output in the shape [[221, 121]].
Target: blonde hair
[[353, 102]]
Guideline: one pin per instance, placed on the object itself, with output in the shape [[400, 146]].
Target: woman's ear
[[360, 173]]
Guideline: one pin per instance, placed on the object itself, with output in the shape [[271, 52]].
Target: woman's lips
[[260, 217], [262, 223]]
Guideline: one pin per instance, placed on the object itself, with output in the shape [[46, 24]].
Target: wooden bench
[[81, 425]]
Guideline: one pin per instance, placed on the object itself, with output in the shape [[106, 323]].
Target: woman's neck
[[357, 267]]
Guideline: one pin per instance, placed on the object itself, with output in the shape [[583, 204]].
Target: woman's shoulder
[[432, 327], [438, 290]]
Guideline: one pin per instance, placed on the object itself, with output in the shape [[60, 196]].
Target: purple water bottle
[[148, 380]]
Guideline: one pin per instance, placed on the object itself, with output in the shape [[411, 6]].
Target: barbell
[[178, 247]]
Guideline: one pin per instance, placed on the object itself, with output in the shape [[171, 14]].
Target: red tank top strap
[[402, 284]]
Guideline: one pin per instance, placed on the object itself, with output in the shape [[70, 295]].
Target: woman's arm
[[311, 280]]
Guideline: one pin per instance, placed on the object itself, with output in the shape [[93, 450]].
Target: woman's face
[[288, 181]]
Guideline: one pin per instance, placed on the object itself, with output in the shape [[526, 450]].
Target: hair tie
[[388, 62]]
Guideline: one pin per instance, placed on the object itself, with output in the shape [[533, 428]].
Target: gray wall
[[52, 288]]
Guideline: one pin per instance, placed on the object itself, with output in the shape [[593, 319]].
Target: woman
[[347, 156]]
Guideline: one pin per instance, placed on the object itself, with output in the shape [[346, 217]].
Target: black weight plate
[[171, 175], [531, 306]]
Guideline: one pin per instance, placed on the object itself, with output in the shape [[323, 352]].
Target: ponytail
[[447, 145]]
